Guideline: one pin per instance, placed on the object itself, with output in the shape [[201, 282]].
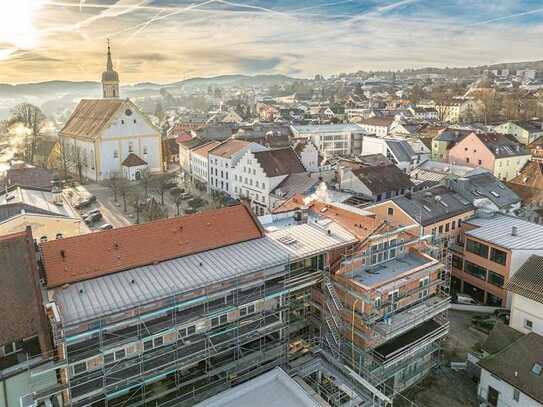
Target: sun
[[17, 24]]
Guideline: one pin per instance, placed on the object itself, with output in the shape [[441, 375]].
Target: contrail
[[525, 13], [320, 6]]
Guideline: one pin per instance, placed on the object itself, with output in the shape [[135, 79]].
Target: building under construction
[[172, 312]]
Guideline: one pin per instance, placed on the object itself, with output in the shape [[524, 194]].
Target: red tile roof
[[229, 147], [93, 255], [204, 149]]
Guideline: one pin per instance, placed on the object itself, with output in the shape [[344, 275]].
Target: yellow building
[[47, 213]]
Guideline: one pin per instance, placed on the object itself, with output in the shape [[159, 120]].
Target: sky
[[169, 40]]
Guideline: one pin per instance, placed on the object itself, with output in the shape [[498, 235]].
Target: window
[[528, 324], [58, 236], [218, 320], [457, 262], [516, 395], [120, 354], [475, 270], [191, 330], [109, 357], [145, 150], [537, 369], [115, 154], [495, 279], [480, 162], [134, 121], [453, 225], [158, 341], [423, 285], [130, 147], [122, 121], [498, 256], [80, 367], [477, 248], [446, 228], [9, 348], [440, 228], [377, 303], [390, 211], [147, 345], [467, 159]]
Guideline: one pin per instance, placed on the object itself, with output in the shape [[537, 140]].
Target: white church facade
[[110, 136]]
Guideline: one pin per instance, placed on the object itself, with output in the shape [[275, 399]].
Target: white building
[[221, 161], [101, 133], [258, 173], [397, 150], [199, 163], [332, 139], [308, 154], [379, 126]]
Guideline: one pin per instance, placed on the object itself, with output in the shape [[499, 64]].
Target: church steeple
[[110, 78]]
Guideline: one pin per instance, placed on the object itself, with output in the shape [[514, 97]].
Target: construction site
[[353, 309]]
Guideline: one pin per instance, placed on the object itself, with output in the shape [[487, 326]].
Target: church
[[111, 136]]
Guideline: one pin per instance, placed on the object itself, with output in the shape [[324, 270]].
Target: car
[[91, 212], [84, 203], [106, 226], [92, 198], [93, 218]]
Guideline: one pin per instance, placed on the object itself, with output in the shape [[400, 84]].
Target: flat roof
[[272, 389], [497, 229], [370, 276], [327, 128]]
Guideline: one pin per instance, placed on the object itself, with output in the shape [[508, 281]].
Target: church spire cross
[[109, 62]]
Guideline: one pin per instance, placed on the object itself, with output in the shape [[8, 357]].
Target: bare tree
[[123, 186], [33, 119], [176, 194], [137, 200], [160, 184], [145, 180]]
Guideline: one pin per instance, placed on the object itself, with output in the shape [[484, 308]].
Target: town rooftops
[[327, 128], [500, 336], [91, 116], [133, 160], [204, 149], [401, 149], [433, 205], [299, 183], [383, 179], [279, 161], [452, 135], [378, 121], [529, 183], [97, 254], [528, 280], [502, 145], [30, 177], [520, 364], [229, 147], [477, 185], [498, 229], [531, 126], [21, 310], [192, 143]]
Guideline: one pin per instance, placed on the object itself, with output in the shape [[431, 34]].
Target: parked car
[[92, 212], [106, 226], [83, 204], [93, 218], [465, 299]]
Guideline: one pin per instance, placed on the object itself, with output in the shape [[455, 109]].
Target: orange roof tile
[[93, 255], [229, 147], [204, 149]]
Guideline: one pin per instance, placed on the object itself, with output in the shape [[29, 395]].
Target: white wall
[[310, 158], [523, 309], [505, 398]]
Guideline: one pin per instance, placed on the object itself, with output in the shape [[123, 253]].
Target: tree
[[145, 180], [160, 184], [137, 200], [176, 195], [124, 190], [114, 182], [33, 119]]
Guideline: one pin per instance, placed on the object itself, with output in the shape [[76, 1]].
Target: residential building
[[101, 133], [199, 165], [29, 177], [513, 376], [483, 189], [24, 338], [185, 152], [258, 173], [491, 248], [437, 211], [399, 151], [424, 113], [498, 153], [378, 126], [377, 183], [528, 184], [461, 110], [332, 139], [435, 172], [222, 160], [48, 214], [302, 183], [536, 149], [524, 131], [526, 287], [308, 154], [445, 140]]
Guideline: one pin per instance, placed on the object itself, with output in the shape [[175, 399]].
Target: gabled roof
[[401, 149], [515, 364], [32, 177], [502, 145], [203, 150], [75, 259], [378, 121], [528, 280], [500, 337], [280, 161], [383, 178], [21, 312], [479, 185], [90, 117], [299, 183], [133, 160]]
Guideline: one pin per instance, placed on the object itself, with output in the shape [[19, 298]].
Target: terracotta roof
[[229, 147], [93, 255], [204, 149], [90, 117], [133, 160], [21, 312], [280, 161], [183, 137], [528, 280]]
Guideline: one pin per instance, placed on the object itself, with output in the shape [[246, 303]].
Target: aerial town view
[[271, 203]]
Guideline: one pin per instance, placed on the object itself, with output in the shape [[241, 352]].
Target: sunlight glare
[[16, 23]]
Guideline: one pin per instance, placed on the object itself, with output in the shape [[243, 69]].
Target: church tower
[[110, 79]]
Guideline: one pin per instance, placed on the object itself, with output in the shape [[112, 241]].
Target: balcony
[[405, 320]]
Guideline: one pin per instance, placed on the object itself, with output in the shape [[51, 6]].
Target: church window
[[122, 121], [144, 150], [130, 147], [134, 121], [115, 154]]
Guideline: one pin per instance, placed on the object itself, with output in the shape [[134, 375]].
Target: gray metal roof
[[115, 292], [485, 185], [328, 128], [498, 230], [433, 205], [401, 149]]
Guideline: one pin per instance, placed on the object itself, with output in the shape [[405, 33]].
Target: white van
[[465, 299]]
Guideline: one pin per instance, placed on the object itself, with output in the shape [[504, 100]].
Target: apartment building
[[524, 131], [199, 166], [379, 126], [498, 153], [177, 310], [332, 139], [222, 160], [492, 247]]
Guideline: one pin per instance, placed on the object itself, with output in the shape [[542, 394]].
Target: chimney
[[514, 231]]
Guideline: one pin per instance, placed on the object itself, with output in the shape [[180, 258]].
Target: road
[[112, 213]]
